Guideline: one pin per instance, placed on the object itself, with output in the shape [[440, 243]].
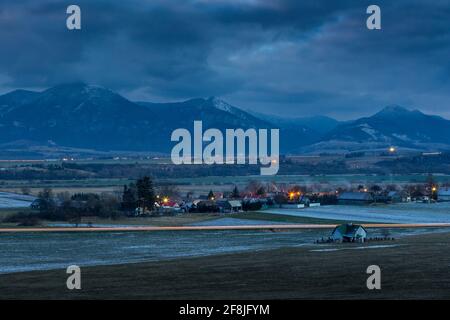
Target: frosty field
[[392, 213]]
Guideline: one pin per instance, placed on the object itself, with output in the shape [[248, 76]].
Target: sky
[[283, 57]]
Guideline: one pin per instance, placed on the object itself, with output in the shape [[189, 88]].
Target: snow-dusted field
[[392, 213], [13, 200]]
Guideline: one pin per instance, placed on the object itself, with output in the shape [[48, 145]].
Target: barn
[[349, 233], [355, 198], [443, 194], [229, 206]]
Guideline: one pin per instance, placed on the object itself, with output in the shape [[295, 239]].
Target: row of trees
[[64, 206], [139, 195]]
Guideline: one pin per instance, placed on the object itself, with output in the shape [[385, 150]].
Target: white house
[[349, 233]]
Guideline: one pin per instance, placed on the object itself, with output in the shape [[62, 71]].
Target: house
[[443, 194], [205, 206], [36, 204], [349, 233], [358, 198], [229, 206], [394, 196], [168, 207]]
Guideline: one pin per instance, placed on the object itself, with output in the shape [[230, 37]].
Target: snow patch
[[222, 105]]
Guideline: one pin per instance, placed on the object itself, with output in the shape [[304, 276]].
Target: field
[[411, 212], [202, 185], [415, 267], [178, 220]]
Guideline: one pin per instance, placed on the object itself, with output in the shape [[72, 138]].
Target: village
[[256, 196], [141, 199]]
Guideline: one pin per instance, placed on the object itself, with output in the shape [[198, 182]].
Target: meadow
[[217, 183], [414, 267]]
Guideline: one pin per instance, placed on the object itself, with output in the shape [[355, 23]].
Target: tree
[[280, 198], [129, 202], [46, 201], [235, 193], [253, 186], [145, 193], [375, 188], [169, 191], [261, 191], [431, 187]]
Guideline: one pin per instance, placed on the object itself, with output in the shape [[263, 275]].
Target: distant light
[[392, 149], [274, 161], [434, 189], [165, 200], [365, 190]]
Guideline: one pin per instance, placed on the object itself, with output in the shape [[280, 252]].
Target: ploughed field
[[411, 267]]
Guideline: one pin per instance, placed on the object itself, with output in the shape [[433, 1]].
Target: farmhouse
[[359, 198], [229, 206], [443, 194], [349, 233], [168, 207]]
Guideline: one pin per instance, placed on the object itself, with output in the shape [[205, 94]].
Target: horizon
[[243, 108]]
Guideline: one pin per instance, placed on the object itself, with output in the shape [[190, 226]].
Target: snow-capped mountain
[[393, 125], [91, 117], [84, 116]]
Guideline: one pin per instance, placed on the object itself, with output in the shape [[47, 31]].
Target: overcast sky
[[284, 57]]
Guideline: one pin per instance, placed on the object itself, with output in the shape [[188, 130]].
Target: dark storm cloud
[[291, 56]]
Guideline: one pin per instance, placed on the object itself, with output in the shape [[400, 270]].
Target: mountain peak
[[78, 87], [220, 104], [393, 109], [79, 91]]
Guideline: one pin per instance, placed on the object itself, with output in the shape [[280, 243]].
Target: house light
[[392, 149], [165, 200]]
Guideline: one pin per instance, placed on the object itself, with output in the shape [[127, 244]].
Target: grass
[[163, 221], [417, 268], [6, 212], [182, 219]]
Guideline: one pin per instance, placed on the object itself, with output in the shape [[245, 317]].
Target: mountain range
[[85, 117]]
